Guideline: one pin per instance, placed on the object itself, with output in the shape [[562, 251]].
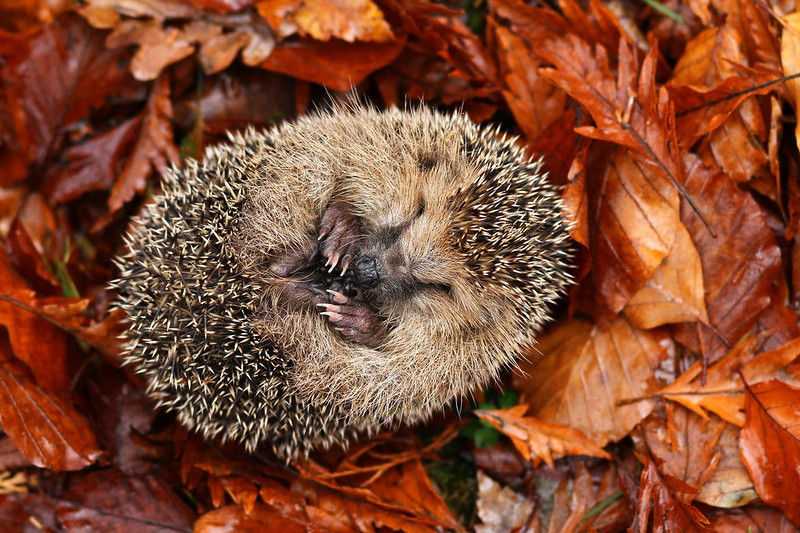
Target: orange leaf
[[537, 440], [595, 380], [260, 518], [675, 292], [336, 64], [708, 61], [723, 390]]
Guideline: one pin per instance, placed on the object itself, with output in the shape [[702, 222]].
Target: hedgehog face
[[397, 262]]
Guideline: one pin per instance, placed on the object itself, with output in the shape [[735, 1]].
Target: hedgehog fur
[[345, 272]]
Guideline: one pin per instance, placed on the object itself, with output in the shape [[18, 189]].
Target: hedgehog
[[347, 272]]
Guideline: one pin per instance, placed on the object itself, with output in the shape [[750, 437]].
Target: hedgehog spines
[[456, 230]]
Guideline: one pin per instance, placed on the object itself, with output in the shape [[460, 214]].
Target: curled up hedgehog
[[349, 271]]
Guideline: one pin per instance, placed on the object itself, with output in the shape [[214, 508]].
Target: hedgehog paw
[[355, 320], [337, 235], [302, 294], [291, 262]]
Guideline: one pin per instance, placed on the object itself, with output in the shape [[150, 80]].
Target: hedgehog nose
[[367, 271]]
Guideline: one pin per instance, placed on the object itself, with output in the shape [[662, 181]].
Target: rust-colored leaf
[[740, 260], [637, 208], [687, 449], [537, 440], [34, 340], [790, 59], [533, 100], [770, 444], [338, 65], [49, 432], [92, 165], [593, 379], [722, 390], [753, 519], [260, 518]]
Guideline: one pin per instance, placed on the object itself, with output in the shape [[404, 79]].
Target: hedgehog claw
[[337, 297], [338, 233], [333, 260]]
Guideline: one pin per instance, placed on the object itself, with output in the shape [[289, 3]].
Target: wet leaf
[[770, 444], [49, 432]]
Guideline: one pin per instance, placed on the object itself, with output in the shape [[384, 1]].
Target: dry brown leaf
[[348, 20], [575, 199], [635, 224], [752, 519], [220, 38], [35, 341], [537, 440], [108, 500], [158, 46], [675, 292], [730, 484], [770, 444], [723, 392], [586, 372], [637, 213], [35, 116], [402, 498], [720, 390], [533, 100], [259, 519], [337, 65]]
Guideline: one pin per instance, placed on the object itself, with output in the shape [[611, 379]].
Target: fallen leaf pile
[[665, 396]]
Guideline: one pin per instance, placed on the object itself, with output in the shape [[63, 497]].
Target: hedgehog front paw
[[338, 233], [292, 262], [355, 319]]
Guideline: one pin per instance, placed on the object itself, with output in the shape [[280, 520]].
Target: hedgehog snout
[[368, 271]]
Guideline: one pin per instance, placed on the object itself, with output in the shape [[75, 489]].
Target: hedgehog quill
[[346, 272]]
